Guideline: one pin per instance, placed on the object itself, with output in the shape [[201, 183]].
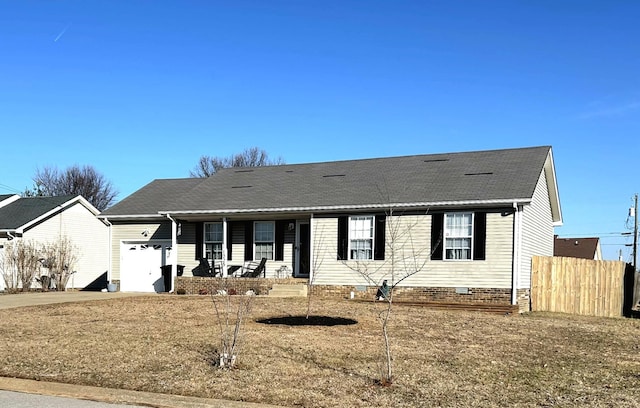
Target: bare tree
[[405, 258], [318, 258], [75, 180], [250, 157]]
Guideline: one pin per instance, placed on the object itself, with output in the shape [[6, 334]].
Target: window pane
[[264, 250], [361, 249], [458, 233], [361, 237], [361, 227], [263, 232], [213, 232], [213, 251]]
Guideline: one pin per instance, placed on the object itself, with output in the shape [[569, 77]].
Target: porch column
[[174, 252], [311, 254], [223, 261]]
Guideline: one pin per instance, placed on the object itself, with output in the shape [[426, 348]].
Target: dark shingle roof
[[27, 209], [5, 196], [153, 197], [575, 247], [496, 175]]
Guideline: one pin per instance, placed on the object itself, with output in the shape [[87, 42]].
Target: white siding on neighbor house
[[87, 233], [537, 230], [133, 232], [412, 252]]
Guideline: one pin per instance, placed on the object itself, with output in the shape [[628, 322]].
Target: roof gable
[[586, 248], [26, 211]]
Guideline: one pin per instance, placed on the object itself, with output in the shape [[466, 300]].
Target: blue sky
[[141, 89]]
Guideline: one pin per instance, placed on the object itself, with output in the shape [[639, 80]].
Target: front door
[[303, 250]]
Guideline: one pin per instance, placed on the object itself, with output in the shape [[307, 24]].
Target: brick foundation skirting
[[202, 285], [261, 286], [418, 294]]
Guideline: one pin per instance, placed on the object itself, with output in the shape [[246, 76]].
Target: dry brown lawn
[[441, 358]]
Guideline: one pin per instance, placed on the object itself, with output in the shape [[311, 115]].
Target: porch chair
[[254, 269], [207, 268]]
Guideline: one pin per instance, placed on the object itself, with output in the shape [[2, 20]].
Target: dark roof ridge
[[365, 159]]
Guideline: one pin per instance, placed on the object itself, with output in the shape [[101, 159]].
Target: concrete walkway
[[9, 301]]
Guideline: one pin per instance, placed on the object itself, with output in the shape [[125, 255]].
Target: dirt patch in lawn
[[441, 358]]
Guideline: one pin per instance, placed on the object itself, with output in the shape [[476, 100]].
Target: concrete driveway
[[9, 301]]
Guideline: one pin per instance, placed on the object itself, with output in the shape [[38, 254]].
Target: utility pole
[[635, 235]]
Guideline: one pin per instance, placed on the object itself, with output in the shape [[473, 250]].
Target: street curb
[[118, 396]]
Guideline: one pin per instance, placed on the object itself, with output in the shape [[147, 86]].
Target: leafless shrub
[[230, 313], [59, 258], [20, 264]]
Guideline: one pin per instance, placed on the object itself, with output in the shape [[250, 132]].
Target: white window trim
[[205, 242], [272, 242], [471, 237], [373, 236]]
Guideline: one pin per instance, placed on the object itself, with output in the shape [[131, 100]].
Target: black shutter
[[229, 240], [479, 236], [281, 227], [343, 236], [379, 244], [248, 241], [437, 223], [199, 240]]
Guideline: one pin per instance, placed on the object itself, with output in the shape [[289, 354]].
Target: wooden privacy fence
[[577, 286]]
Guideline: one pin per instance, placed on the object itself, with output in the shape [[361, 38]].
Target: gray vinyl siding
[[537, 230], [132, 232], [412, 252]]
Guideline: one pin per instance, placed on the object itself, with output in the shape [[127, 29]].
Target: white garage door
[[140, 266]]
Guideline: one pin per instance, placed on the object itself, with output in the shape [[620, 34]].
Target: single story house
[[586, 248], [464, 226], [47, 219]]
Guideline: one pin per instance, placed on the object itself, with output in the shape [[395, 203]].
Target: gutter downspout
[[517, 252], [311, 254], [109, 249], [174, 252], [223, 261]]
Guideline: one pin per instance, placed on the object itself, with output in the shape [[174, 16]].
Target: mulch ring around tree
[[308, 321]]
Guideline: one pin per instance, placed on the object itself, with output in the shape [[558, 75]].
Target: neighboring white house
[[476, 219], [47, 219]]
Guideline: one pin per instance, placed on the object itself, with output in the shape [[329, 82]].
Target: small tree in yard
[[230, 314], [59, 258], [19, 264], [405, 259], [318, 258]]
